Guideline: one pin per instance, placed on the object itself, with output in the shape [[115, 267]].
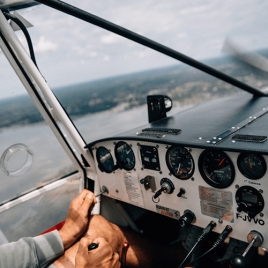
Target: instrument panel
[[227, 187]]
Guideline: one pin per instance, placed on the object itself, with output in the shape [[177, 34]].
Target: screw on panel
[[236, 186], [114, 143], [261, 191], [116, 191], [157, 146], [166, 146], [189, 150], [160, 172], [142, 168], [130, 145], [169, 174], [192, 178], [220, 221], [261, 214]]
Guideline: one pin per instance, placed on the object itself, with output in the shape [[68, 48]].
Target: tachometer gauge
[[124, 155], [180, 162], [216, 168], [252, 166], [105, 160]]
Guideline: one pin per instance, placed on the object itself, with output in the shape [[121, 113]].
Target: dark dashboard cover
[[211, 125]]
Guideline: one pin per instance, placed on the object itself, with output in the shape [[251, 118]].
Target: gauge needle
[[221, 162], [178, 168], [250, 164]]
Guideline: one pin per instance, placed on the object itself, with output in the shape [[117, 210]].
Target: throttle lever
[[255, 239]]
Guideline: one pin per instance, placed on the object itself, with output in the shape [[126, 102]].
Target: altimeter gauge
[[124, 155]]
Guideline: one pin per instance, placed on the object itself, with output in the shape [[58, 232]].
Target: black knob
[[92, 246], [187, 218], [241, 207], [238, 261]]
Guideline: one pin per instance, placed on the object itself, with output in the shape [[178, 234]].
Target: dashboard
[[213, 168], [223, 186]]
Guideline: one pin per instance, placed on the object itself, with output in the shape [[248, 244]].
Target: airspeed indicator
[[180, 162]]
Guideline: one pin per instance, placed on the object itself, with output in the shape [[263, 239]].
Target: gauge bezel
[[204, 174], [244, 173], [171, 169], [119, 163], [102, 167]]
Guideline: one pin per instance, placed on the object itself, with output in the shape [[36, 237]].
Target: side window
[[30, 158]]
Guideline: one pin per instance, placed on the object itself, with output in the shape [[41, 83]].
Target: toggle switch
[[181, 192]]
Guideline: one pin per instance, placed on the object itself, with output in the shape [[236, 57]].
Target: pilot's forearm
[[31, 252]]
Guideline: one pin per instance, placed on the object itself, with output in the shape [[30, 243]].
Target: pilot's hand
[[102, 257], [77, 218]]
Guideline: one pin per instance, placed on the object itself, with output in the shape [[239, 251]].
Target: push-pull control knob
[[187, 218], [255, 239]]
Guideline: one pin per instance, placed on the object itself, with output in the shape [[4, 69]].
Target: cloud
[[109, 39], [44, 45]]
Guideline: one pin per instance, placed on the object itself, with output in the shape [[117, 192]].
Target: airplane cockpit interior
[[195, 176]]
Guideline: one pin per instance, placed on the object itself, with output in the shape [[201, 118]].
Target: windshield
[[97, 74]]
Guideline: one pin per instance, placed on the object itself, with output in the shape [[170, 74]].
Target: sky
[[70, 51]]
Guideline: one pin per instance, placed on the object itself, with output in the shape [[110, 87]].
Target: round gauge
[[124, 155], [105, 160], [180, 162], [252, 166], [249, 200], [216, 168]]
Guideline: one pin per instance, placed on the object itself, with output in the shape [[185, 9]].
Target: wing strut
[[83, 15]]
